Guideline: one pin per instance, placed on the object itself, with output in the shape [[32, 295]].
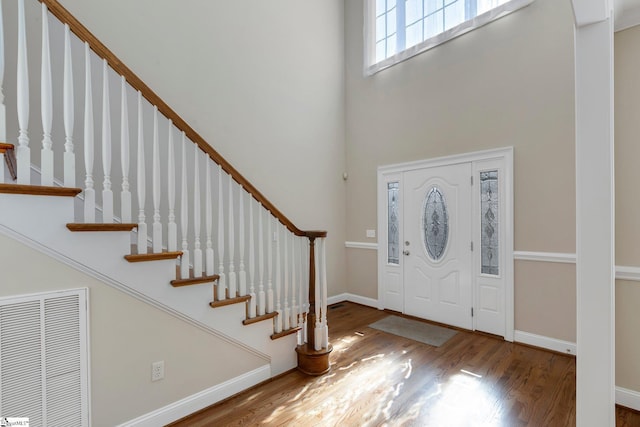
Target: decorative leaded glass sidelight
[[393, 234], [435, 223], [489, 222]]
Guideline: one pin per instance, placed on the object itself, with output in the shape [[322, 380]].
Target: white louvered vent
[[43, 358]]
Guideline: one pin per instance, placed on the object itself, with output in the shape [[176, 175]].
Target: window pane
[[489, 209], [485, 5], [381, 50], [454, 14], [413, 11], [381, 7], [433, 25], [432, 6], [393, 234], [380, 28], [391, 45], [391, 4], [435, 223], [391, 22], [414, 34]]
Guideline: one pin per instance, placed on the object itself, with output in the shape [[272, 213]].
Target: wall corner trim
[[195, 402]]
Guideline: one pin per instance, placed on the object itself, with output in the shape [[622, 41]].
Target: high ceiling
[[626, 13]]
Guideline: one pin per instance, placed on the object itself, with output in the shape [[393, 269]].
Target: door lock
[[405, 252]]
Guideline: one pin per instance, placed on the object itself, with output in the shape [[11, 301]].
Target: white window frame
[[371, 66]]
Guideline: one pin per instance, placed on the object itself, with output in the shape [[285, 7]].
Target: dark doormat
[[414, 330]]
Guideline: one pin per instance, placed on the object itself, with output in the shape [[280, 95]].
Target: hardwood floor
[[378, 379]]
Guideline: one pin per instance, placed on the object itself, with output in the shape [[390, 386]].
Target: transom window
[[399, 29]]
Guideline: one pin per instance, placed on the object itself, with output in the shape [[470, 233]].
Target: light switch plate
[[371, 234]]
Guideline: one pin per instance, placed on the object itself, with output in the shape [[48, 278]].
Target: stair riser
[[39, 216]]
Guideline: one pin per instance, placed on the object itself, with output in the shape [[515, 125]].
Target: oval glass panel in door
[[435, 223]]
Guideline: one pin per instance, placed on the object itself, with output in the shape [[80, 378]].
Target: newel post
[[310, 360]]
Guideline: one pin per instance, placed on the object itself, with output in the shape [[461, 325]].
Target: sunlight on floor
[[460, 399]]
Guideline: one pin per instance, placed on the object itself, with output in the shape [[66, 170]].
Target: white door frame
[[393, 173]]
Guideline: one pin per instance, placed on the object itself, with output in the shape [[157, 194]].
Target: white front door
[[436, 249]]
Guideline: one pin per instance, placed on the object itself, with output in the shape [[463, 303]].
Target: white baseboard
[[545, 342], [628, 398], [201, 400], [370, 302]]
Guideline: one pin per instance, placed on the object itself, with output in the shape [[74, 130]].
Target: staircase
[[170, 221]]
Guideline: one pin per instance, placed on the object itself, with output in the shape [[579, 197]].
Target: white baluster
[[242, 275], [304, 301], [295, 283], [89, 191], [269, 264], [278, 282], [125, 194], [252, 268], [68, 112], [23, 155], [172, 228], [323, 273], [107, 193], [157, 225], [318, 326], [209, 268], [286, 321], [197, 251], [222, 280], [184, 214], [261, 295], [46, 104], [142, 225], [231, 278]]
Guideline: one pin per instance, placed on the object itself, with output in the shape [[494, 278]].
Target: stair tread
[[193, 280], [229, 301], [39, 190], [289, 331], [150, 256], [101, 227], [259, 318], [5, 146]]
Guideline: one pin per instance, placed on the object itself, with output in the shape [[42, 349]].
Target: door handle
[[405, 252]]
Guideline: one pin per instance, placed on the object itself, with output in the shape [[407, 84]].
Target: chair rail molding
[[361, 245]]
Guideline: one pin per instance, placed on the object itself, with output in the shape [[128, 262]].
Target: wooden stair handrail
[[103, 52], [10, 159]]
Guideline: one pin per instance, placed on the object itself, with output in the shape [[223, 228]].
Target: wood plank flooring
[[378, 379]]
